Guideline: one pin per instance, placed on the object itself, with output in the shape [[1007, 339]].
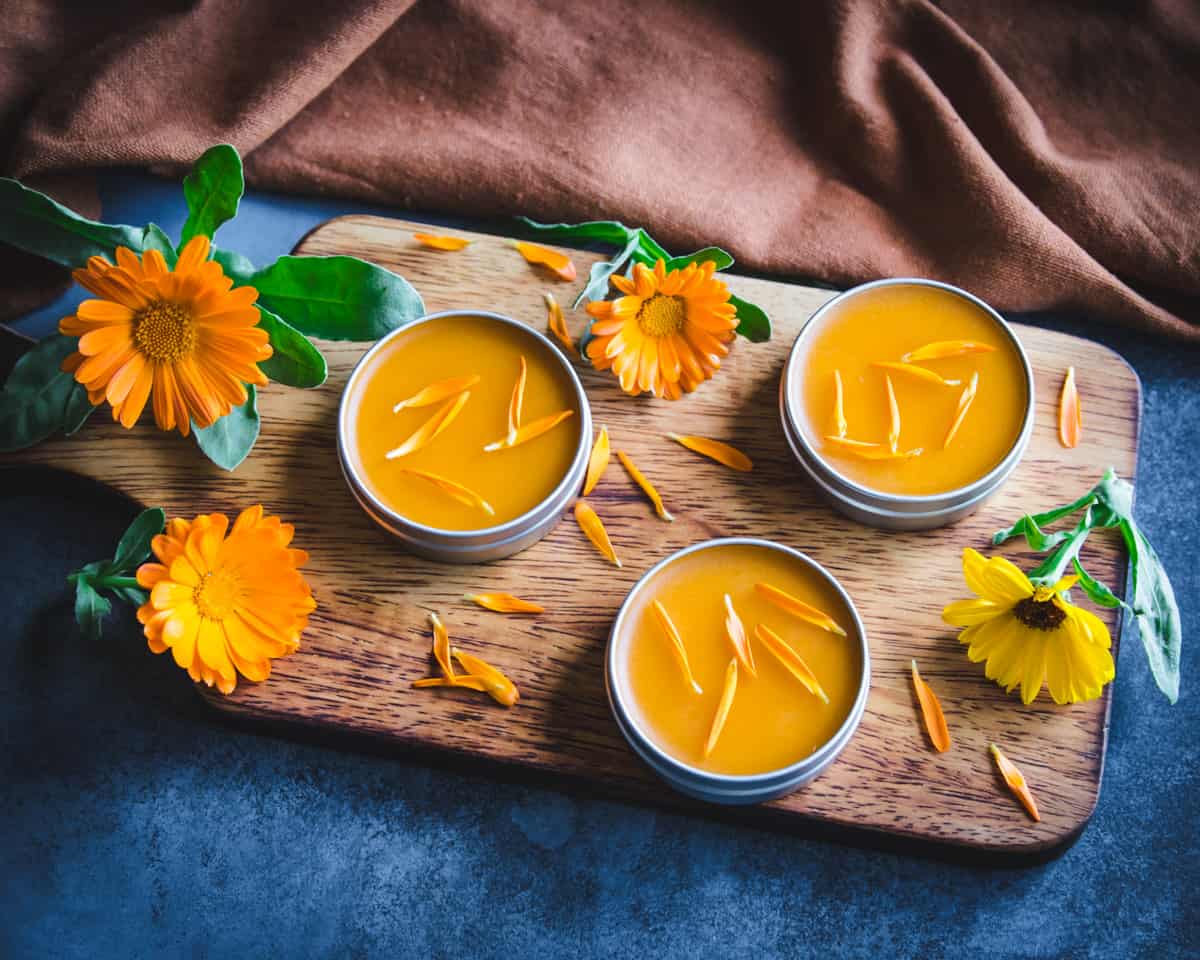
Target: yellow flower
[[225, 604], [1029, 633], [182, 339], [669, 331]]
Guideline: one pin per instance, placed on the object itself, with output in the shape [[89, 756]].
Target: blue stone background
[[137, 824]]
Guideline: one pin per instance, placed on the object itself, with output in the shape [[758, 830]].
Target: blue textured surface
[[136, 824]]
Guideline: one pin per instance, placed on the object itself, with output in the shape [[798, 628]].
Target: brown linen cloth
[[1041, 155]]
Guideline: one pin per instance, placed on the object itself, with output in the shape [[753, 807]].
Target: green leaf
[[134, 547], [135, 595], [90, 609], [715, 254], [337, 298], [213, 190], [34, 401], [78, 408], [295, 362], [33, 222], [753, 323], [153, 238], [1097, 592], [227, 442], [649, 250], [1042, 519], [597, 285], [601, 231], [235, 265], [1042, 541]]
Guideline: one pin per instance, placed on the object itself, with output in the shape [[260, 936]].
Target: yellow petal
[[441, 645], [436, 392], [723, 706], [840, 427], [557, 323], [591, 525], [503, 603], [941, 349], [798, 608], [964, 404], [677, 647], [647, 487], [893, 416], [735, 630], [432, 427], [517, 403], [497, 685], [597, 462], [723, 453], [965, 613], [915, 373]]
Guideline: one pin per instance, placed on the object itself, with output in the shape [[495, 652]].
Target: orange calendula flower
[[225, 600], [668, 332], [183, 340]]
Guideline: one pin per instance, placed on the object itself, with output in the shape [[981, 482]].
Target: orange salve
[[884, 324], [512, 481], [774, 720]]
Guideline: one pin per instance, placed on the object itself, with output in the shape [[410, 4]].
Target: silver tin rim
[[734, 788], [868, 498], [485, 542]]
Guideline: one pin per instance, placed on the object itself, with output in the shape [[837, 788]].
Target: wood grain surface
[[368, 638]]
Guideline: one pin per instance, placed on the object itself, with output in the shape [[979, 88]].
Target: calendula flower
[[225, 605], [182, 339], [1029, 633], [669, 331]]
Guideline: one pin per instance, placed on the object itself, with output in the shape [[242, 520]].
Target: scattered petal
[[436, 392], [504, 603], [557, 323], [917, 373], [591, 525], [941, 349], [1016, 781], [1070, 417], [456, 490], [736, 631], [964, 404], [870, 451], [791, 660], [722, 714], [839, 410], [798, 608], [438, 242], [558, 263], [431, 428], [465, 682], [647, 487], [723, 453], [529, 431], [517, 403], [441, 646], [677, 647], [931, 712], [597, 462], [894, 416], [495, 683]]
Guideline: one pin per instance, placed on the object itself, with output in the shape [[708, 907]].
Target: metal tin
[[489, 543], [727, 788], [876, 508]]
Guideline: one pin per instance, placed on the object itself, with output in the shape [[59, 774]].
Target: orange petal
[[647, 487], [931, 712], [870, 451], [559, 263], [791, 660], [437, 391], [1070, 417], [504, 603], [726, 701], [438, 242], [466, 683], [964, 404], [529, 431], [917, 373], [736, 631], [677, 647], [441, 645], [839, 410], [591, 525], [723, 453], [597, 462], [798, 608], [1016, 781], [456, 490], [431, 427], [517, 402], [894, 416], [495, 683], [941, 349], [558, 323]]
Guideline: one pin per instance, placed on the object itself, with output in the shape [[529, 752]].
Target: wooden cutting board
[[368, 638]]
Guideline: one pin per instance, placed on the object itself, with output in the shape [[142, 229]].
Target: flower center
[[215, 595], [660, 316], [164, 332], [1039, 613]]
